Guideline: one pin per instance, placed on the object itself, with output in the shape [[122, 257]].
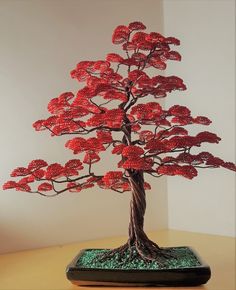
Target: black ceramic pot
[[182, 276]]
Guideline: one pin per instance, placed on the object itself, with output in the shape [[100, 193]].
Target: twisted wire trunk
[[146, 248], [137, 206]]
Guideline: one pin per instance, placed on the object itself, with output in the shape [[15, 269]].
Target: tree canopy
[[109, 110]]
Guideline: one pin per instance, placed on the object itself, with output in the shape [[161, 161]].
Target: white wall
[[206, 30], [41, 41]]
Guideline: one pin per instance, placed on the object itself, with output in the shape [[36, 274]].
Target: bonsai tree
[[117, 110]]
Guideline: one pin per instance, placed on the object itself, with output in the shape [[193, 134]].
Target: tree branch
[[164, 152], [116, 190], [63, 181], [152, 174], [132, 102]]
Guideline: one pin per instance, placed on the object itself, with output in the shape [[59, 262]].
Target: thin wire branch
[[164, 152], [90, 166], [116, 190], [152, 174], [207, 166], [63, 181]]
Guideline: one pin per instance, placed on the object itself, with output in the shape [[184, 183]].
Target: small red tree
[[154, 140]]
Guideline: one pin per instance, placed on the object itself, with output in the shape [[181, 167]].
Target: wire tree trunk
[[146, 248], [137, 206]]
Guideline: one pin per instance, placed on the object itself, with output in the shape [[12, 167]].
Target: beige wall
[[206, 29], [41, 41]]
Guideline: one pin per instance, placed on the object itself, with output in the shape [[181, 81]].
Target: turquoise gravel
[[183, 258]]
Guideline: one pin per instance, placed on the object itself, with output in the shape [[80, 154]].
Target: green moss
[[183, 258]]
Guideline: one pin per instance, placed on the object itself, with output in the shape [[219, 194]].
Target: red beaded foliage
[[118, 99]]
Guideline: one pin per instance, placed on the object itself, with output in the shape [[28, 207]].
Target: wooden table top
[[45, 268]]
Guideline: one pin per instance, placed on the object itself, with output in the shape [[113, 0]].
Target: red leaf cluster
[[19, 186], [134, 39], [57, 105], [39, 170], [120, 34], [138, 163], [37, 164], [112, 178], [176, 142], [187, 171], [45, 186], [91, 157], [115, 180], [20, 171], [114, 57], [110, 118], [133, 159], [115, 95], [149, 113], [157, 86], [104, 136], [80, 144], [179, 111], [132, 151], [118, 149], [201, 159], [85, 68], [54, 170]]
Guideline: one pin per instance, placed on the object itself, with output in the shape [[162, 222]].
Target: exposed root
[[145, 249], [149, 252]]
